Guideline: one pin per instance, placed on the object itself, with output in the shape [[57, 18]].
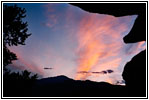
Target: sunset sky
[[67, 40]]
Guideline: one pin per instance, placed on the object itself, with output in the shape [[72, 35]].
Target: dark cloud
[[82, 72], [104, 72], [101, 72], [110, 71], [96, 72], [47, 68]]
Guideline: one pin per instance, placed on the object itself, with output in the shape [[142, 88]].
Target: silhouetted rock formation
[[135, 74], [135, 71]]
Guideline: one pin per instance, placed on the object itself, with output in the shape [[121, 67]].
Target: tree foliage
[[8, 56], [14, 31], [16, 76], [18, 83]]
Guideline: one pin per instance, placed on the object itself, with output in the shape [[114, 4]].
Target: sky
[[67, 40]]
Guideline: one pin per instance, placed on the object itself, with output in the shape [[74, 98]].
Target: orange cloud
[[99, 37]]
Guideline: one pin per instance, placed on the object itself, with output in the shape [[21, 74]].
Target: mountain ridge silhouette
[[62, 86]]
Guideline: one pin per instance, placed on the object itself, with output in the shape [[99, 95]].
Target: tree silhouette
[[14, 31], [8, 56], [14, 34], [18, 83], [24, 75]]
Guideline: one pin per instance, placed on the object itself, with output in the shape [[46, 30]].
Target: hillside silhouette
[[62, 86], [66, 87]]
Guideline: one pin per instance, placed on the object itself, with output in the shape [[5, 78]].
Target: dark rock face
[[135, 74], [135, 71]]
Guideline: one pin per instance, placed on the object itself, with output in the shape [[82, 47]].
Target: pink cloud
[[100, 39]]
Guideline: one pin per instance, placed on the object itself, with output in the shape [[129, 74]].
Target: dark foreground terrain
[[62, 86]]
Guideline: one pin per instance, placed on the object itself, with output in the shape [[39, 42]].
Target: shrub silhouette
[[18, 84], [24, 75]]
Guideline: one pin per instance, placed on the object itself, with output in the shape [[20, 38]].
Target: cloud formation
[[78, 44], [47, 68], [101, 72], [100, 43], [98, 39]]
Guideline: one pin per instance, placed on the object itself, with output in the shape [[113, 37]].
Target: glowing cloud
[[100, 39]]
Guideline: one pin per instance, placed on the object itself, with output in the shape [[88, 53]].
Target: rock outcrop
[[135, 75]]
